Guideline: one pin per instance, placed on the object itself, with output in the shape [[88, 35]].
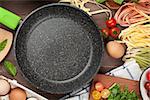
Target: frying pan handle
[[9, 19]]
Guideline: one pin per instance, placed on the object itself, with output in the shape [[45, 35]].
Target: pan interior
[[58, 48]]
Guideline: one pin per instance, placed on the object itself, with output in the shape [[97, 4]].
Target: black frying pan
[[58, 48]]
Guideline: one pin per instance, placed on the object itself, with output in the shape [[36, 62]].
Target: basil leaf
[[3, 44], [11, 69]]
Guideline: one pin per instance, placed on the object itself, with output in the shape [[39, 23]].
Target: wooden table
[[23, 8]]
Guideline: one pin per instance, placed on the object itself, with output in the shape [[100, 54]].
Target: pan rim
[[34, 11]]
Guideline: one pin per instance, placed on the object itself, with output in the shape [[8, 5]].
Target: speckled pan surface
[[58, 48]]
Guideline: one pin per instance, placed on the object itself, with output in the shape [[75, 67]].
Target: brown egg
[[17, 94], [115, 49]]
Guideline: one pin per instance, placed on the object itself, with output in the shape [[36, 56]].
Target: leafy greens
[[11, 69], [117, 94]]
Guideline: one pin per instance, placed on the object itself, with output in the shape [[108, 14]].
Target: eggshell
[[17, 94], [4, 87]]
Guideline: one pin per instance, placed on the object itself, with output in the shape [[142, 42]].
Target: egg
[[32, 98], [4, 87], [115, 49], [17, 94]]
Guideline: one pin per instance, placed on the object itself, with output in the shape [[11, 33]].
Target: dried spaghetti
[[137, 39], [81, 4]]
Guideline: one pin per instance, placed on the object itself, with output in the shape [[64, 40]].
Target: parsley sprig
[[117, 94]]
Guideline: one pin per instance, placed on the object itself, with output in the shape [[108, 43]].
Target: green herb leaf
[[117, 94], [118, 1], [3, 44], [100, 1], [114, 91], [11, 69]]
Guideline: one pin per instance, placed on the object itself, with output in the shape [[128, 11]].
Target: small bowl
[[143, 80]]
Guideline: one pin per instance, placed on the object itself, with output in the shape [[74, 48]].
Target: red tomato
[[111, 23], [99, 86], [105, 32], [148, 75], [114, 32], [147, 86]]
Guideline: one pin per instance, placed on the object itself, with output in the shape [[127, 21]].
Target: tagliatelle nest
[[81, 4]]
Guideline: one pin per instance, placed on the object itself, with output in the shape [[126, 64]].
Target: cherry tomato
[[114, 32], [148, 75], [99, 86], [105, 93], [111, 23], [105, 32], [96, 95], [147, 86]]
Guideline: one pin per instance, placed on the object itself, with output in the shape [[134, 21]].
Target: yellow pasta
[[137, 39], [81, 4]]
